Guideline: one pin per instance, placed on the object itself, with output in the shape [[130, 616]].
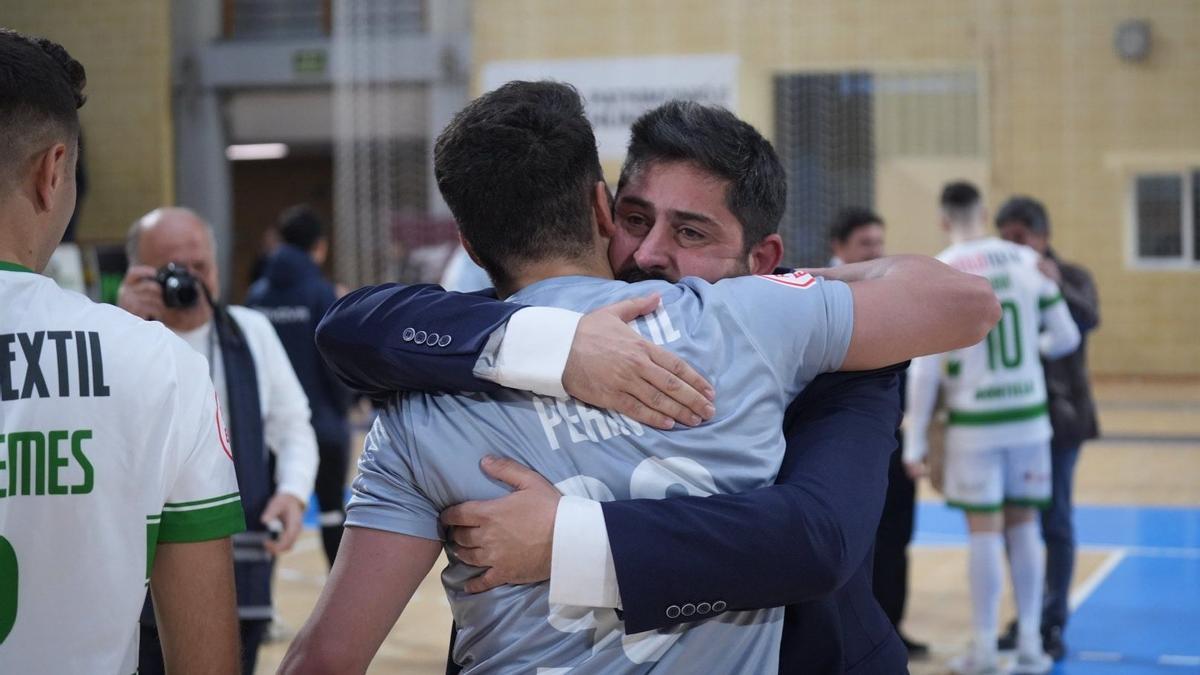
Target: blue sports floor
[[1140, 611]]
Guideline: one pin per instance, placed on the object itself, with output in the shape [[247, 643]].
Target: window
[[853, 138], [1166, 218]]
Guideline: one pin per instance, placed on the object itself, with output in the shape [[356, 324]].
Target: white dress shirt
[[285, 413]]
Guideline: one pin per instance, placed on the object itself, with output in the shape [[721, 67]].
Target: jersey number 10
[[1004, 341]]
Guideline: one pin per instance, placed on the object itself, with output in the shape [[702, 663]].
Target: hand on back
[[612, 366]]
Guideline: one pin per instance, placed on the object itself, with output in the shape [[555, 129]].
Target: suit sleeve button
[[703, 608], [688, 609], [444, 341], [409, 334], [421, 335], [718, 606], [673, 612]]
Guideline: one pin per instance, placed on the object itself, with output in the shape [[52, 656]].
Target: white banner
[[618, 91]]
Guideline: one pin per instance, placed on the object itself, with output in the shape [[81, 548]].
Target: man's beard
[[633, 274]]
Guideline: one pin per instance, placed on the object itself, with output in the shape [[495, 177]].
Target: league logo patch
[[222, 430], [797, 279]]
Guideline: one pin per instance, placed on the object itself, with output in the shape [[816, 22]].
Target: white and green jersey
[[995, 391], [111, 442]]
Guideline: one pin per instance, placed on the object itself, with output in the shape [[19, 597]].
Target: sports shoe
[[1052, 643], [977, 661], [1032, 662], [1008, 640]]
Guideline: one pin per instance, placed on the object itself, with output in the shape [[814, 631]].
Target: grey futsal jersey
[[759, 340]]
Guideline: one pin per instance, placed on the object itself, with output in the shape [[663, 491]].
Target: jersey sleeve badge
[[222, 430], [797, 279]]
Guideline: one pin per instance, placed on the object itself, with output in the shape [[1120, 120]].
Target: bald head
[[177, 235]]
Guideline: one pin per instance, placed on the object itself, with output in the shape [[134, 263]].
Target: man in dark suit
[[857, 235], [804, 542], [1023, 220]]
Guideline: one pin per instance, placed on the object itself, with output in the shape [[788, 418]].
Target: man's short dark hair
[[1027, 211], [960, 196], [518, 168], [715, 140], [41, 90], [850, 219], [301, 227]]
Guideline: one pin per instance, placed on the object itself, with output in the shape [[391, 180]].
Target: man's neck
[[20, 254], [188, 320], [962, 235], [532, 273]]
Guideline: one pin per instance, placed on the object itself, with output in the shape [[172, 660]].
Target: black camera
[[180, 289]]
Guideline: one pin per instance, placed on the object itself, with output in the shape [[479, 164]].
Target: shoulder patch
[[797, 279], [222, 430]]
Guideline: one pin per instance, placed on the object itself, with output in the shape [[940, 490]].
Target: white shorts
[[985, 479]]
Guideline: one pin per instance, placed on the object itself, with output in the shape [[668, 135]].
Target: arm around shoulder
[[384, 339], [910, 306]]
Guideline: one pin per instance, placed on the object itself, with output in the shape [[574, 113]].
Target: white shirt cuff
[[533, 352], [582, 572], [296, 488], [916, 445]]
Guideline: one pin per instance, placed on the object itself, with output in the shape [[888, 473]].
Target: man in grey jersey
[[518, 168]]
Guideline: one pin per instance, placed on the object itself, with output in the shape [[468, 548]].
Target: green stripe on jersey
[[1040, 504], [202, 523], [152, 525], [185, 506], [974, 508], [996, 416], [13, 267], [1043, 303]]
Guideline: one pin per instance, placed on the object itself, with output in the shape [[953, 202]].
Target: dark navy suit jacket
[[805, 542]]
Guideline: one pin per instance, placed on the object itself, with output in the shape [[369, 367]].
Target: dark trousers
[[890, 579], [330, 491], [1058, 530], [150, 656]]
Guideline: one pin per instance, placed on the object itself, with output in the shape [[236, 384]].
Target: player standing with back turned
[[114, 469], [998, 433]]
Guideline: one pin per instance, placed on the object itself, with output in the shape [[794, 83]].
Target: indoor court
[[247, 112]]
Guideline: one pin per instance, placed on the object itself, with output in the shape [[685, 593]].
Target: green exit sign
[[310, 61]]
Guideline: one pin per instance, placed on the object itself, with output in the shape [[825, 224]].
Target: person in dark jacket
[[1023, 220], [857, 235], [294, 295]]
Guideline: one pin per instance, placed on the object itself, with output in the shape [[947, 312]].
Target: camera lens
[[179, 288]]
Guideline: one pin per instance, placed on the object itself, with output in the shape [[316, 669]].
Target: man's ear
[[320, 251], [49, 174], [766, 255], [602, 210]]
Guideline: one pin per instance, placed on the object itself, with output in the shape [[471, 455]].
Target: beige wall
[[1061, 117], [125, 47]]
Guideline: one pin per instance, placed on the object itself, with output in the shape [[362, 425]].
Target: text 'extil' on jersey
[[52, 378]]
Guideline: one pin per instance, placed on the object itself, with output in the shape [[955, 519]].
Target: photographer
[[172, 278]]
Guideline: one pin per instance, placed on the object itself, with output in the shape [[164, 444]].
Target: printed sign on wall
[[618, 91]]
